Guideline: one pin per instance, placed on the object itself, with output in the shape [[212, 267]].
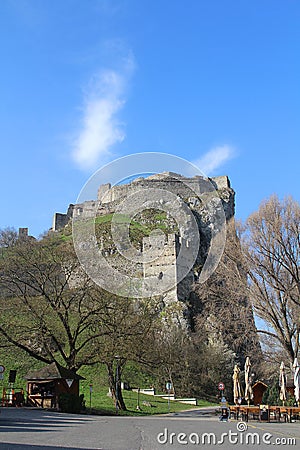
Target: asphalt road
[[22, 428]]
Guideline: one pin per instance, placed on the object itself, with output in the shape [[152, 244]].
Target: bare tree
[[124, 333], [194, 362], [225, 308], [48, 305], [272, 246], [173, 351], [8, 237]]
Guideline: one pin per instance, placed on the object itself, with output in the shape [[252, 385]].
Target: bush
[[71, 403], [271, 395]]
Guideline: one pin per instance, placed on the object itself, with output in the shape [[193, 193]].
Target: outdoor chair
[[264, 413]]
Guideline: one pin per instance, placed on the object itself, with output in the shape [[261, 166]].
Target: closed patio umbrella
[[296, 369], [237, 394], [248, 381], [282, 383]]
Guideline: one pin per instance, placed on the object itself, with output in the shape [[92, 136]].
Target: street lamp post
[[117, 379], [138, 400]]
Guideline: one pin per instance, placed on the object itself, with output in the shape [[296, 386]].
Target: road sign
[[69, 382], [169, 385], [221, 386], [2, 369]]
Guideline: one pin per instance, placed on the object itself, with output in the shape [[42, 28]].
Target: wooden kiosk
[[259, 388], [45, 385]]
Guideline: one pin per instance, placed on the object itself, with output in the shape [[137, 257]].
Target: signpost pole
[[138, 400], [169, 387], [91, 390]]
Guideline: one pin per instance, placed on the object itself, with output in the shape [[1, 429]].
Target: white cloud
[[100, 127], [214, 158]]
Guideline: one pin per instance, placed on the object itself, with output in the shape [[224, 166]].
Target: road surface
[[37, 429]]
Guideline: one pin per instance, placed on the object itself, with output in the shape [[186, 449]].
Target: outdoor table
[[289, 412], [253, 411], [245, 412], [234, 411]]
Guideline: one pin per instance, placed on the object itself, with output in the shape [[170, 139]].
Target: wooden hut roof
[[260, 383], [53, 371]]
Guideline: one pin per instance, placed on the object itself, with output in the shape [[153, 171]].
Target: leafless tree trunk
[[272, 246]]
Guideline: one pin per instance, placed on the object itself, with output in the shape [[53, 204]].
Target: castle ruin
[[197, 193], [206, 199]]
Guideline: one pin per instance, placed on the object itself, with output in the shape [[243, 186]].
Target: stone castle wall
[[197, 192], [186, 188], [169, 181]]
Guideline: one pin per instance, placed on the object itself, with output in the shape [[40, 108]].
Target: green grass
[[137, 229], [66, 238], [101, 403], [104, 219]]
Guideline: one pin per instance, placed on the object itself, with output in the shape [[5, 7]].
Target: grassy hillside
[[95, 376]]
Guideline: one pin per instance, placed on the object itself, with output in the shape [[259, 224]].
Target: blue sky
[[83, 82]]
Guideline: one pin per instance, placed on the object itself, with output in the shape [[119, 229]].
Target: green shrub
[[271, 396], [71, 403]]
